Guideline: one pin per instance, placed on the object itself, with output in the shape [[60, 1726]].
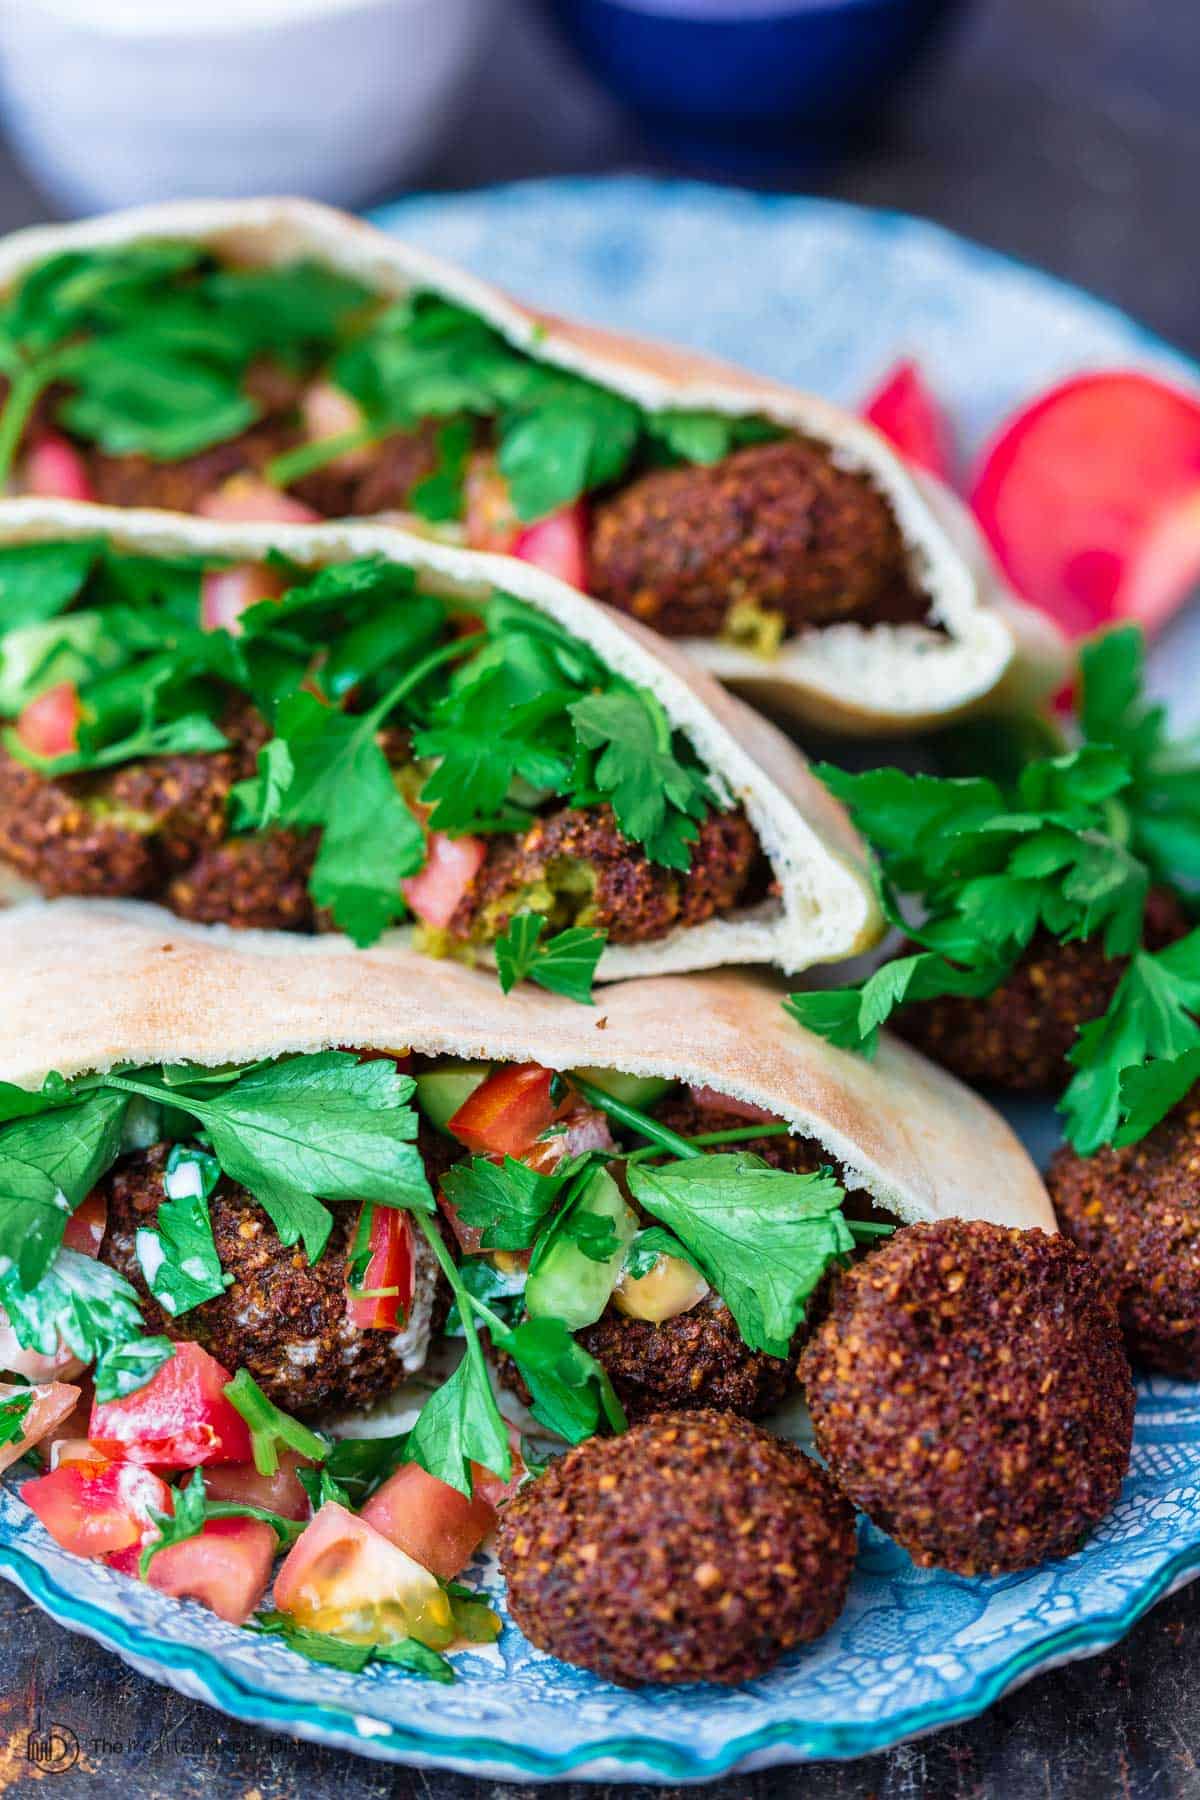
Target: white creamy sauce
[[150, 1253], [184, 1183]]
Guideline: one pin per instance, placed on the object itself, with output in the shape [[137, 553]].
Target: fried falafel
[[779, 526], [283, 1319], [970, 1392], [1019, 1036], [1136, 1212], [694, 1547]]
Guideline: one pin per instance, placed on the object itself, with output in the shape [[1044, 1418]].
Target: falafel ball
[[257, 883], [578, 860], [1136, 1212], [694, 1361], [778, 525], [970, 1392], [283, 1319], [1018, 1037], [695, 1547]]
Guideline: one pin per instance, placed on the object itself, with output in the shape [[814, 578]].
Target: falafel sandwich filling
[[270, 746], [156, 374]]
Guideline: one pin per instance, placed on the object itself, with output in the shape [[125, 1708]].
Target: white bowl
[[112, 102]]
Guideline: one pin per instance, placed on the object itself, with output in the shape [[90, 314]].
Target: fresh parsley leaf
[[39, 581], [761, 1237], [657, 799], [270, 1426], [571, 1392], [564, 964], [179, 1260], [360, 1465], [439, 497], [79, 1302], [417, 1659], [508, 1200], [123, 1368], [320, 1486], [1148, 1093], [14, 1410], [502, 1290], [460, 1424], [336, 1653], [192, 1512], [646, 1249], [49, 1161], [851, 1017]]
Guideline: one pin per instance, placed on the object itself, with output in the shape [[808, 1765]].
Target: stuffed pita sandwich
[[346, 728], [275, 358]]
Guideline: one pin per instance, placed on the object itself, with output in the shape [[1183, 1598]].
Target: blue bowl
[[751, 78]]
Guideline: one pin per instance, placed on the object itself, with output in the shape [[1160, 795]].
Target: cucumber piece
[[441, 1091], [632, 1090], [568, 1285]]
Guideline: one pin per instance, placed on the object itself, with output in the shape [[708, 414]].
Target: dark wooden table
[[1065, 132]]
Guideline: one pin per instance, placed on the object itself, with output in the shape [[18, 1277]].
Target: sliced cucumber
[[441, 1091], [632, 1090], [570, 1286]]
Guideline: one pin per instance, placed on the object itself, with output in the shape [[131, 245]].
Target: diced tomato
[[97, 1507], [905, 411], [280, 1492], [451, 865], [711, 1100], [85, 1227], [390, 1267], [1090, 497], [343, 1576], [48, 725], [328, 412], [429, 1520], [55, 470], [470, 1237], [490, 520], [62, 1365], [225, 594], [557, 544], [179, 1419], [227, 1568], [508, 1111], [493, 1488], [245, 499], [49, 1405]]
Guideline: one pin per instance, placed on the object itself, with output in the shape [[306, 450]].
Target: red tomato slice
[[225, 594], [557, 544], [508, 1111], [179, 1419], [493, 1488], [1090, 498], [451, 865], [95, 1508], [55, 470], [490, 520], [391, 1266], [328, 412], [343, 1576], [711, 1100], [48, 1406], [429, 1520], [227, 1568], [85, 1227], [280, 1493], [244, 499], [48, 725], [905, 411]]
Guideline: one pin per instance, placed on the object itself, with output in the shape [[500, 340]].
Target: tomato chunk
[[429, 1520], [49, 725], [55, 470], [508, 1112], [227, 1568], [85, 1227], [328, 411], [557, 544], [49, 1405], [905, 411], [343, 1576], [97, 1507], [179, 1419], [245, 499], [225, 594], [390, 1267], [280, 1492], [1090, 497], [451, 865]]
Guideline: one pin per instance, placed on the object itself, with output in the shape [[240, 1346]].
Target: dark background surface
[[1065, 132]]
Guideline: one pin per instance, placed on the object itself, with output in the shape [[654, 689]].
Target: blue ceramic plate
[[825, 296]]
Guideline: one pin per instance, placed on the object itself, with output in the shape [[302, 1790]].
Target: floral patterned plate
[[795, 287]]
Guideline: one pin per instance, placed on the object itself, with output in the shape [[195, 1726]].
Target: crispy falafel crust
[[1136, 1212], [1018, 1037], [778, 525], [695, 1547], [283, 1319], [696, 1360], [970, 1392]]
